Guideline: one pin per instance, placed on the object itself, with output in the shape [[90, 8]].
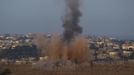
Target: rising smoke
[[71, 19], [60, 52]]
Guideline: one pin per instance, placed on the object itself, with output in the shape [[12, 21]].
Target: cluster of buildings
[[8, 41], [105, 48], [18, 49], [102, 48]]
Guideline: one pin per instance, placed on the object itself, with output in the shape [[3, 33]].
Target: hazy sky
[[100, 17]]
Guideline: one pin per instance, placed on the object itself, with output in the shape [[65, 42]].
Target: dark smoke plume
[[71, 19]]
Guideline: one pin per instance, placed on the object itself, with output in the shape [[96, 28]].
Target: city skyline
[[100, 17]]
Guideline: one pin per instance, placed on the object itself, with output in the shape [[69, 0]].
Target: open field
[[98, 69]]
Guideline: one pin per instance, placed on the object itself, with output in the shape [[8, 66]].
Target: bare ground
[[98, 69]]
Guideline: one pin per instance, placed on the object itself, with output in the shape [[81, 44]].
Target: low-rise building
[[114, 54], [127, 53]]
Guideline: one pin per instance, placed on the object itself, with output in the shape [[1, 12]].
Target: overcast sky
[[100, 17]]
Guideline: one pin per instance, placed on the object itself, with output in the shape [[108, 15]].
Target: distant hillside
[[19, 52]]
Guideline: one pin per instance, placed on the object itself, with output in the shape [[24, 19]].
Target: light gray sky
[[100, 17]]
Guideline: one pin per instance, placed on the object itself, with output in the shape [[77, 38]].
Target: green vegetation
[[24, 44]]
